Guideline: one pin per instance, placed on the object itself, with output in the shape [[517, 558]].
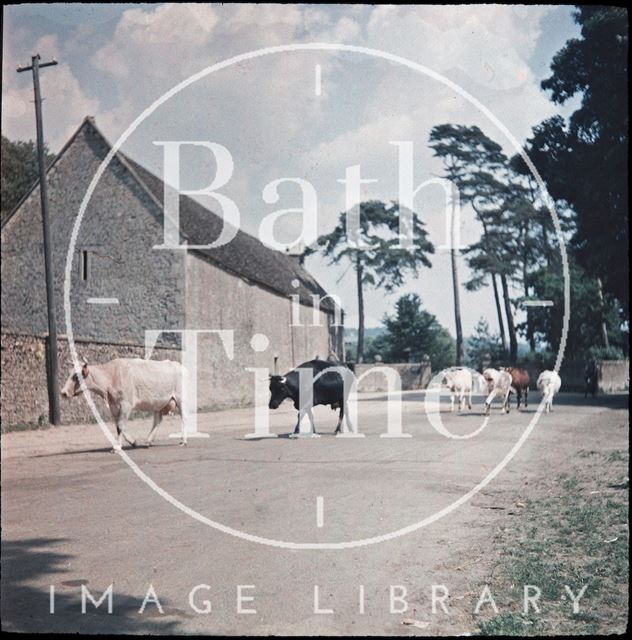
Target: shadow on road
[[26, 607], [613, 401], [73, 452]]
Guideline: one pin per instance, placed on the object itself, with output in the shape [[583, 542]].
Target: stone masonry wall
[[614, 375], [120, 227], [23, 388], [246, 309], [412, 376]]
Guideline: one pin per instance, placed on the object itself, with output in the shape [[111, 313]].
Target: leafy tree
[[475, 164], [462, 150], [483, 344], [517, 230], [546, 152], [413, 332], [497, 252], [376, 256], [586, 316], [584, 159], [376, 346], [524, 213], [19, 171], [539, 240], [483, 190]]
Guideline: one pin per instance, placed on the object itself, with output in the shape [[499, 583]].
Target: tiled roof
[[244, 255]]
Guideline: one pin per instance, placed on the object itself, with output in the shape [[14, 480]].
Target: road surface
[[75, 514]]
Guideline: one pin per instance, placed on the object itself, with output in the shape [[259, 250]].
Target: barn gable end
[[243, 287]]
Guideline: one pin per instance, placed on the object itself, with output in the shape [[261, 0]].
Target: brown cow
[[519, 383]]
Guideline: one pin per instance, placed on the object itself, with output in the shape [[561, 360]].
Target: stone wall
[[412, 375], [247, 310], [120, 226], [234, 305], [24, 389], [614, 375]]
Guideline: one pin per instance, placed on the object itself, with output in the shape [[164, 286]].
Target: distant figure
[[549, 384], [591, 378]]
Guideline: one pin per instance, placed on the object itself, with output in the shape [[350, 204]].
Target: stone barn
[[122, 286]]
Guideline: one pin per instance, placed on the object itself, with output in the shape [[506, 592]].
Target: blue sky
[[115, 60]]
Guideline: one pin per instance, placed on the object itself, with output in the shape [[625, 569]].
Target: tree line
[[583, 162]]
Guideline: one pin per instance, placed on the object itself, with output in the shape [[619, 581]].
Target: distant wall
[[614, 375], [413, 376]]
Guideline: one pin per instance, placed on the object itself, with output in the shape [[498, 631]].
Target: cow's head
[[491, 376], [278, 391], [74, 384], [448, 377]]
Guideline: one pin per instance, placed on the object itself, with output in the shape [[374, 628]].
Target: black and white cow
[[328, 388]]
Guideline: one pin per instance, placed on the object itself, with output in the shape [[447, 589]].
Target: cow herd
[[128, 384], [500, 383]]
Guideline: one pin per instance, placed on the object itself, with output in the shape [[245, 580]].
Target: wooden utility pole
[[52, 364]]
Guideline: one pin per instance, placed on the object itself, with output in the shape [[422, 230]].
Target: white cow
[[459, 382], [498, 384], [549, 383], [133, 383]]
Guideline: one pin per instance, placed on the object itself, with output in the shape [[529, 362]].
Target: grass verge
[[573, 531]]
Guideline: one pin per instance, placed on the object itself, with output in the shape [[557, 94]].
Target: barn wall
[[23, 387], [219, 300], [119, 229], [156, 289]]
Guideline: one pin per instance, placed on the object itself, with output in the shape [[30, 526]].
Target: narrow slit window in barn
[[84, 265]]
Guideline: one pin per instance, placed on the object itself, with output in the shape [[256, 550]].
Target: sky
[[278, 121]]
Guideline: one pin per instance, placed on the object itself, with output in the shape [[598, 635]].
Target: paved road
[[74, 514]]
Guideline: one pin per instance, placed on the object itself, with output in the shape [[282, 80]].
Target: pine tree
[[384, 264]]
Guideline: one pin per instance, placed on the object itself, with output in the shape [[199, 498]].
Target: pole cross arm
[[41, 66]]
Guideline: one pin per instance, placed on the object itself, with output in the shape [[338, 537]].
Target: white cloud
[[157, 43], [65, 102], [489, 43], [266, 110]]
